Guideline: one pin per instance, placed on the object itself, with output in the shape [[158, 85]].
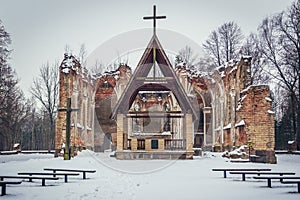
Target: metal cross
[[154, 17]]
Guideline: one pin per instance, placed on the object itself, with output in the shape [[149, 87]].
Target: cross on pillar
[[68, 110], [154, 17]]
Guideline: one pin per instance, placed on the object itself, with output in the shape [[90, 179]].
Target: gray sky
[[41, 29]]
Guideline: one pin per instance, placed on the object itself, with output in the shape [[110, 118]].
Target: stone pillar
[[213, 118], [161, 144], [134, 144], [189, 125], [207, 114], [92, 136], [148, 144], [204, 128], [222, 119], [120, 132]]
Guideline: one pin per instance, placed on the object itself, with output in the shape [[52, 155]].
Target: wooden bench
[[292, 182], [43, 178], [225, 170], [269, 178], [51, 174], [72, 170], [4, 183], [261, 173]]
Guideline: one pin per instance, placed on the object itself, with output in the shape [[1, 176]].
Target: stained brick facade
[[230, 111]]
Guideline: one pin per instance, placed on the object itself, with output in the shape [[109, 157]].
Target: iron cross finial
[[154, 17]]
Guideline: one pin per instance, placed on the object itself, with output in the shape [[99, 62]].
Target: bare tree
[[187, 56], [12, 107], [280, 47], [251, 48], [45, 90], [224, 43], [212, 46], [82, 55], [97, 68]]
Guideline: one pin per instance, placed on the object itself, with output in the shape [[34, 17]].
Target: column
[[189, 126], [119, 132], [222, 119]]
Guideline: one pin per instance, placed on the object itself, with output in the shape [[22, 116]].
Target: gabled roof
[[140, 81]]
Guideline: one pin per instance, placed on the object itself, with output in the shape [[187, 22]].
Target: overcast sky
[[41, 29]]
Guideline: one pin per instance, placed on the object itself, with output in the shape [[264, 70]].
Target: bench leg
[[66, 178], [298, 187], [244, 177], [269, 183], [3, 190], [84, 175], [225, 176], [43, 182]]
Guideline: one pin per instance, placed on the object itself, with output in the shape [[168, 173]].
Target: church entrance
[[198, 140]]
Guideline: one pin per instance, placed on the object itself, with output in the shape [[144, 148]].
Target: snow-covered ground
[[146, 179]]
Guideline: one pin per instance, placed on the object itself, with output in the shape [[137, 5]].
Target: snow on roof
[[241, 123], [68, 63], [228, 126]]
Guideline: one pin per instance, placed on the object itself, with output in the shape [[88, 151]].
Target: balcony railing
[[175, 144], [140, 144]]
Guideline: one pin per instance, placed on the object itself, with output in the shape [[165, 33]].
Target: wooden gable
[[153, 56]]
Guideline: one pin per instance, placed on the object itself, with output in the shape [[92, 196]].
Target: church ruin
[[161, 111]]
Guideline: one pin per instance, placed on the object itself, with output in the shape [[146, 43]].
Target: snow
[[166, 133], [241, 123], [246, 57], [228, 126], [243, 98], [291, 142], [239, 107], [233, 69], [79, 126], [146, 179], [271, 112], [16, 145], [66, 70], [245, 90], [268, 99]]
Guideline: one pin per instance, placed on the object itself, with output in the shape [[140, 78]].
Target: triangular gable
[[140, 81]]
